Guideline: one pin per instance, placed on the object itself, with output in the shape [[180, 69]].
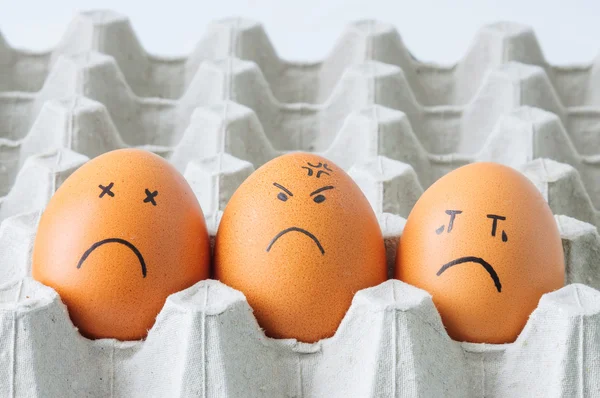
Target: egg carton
[[206, 343], [232, 80], [149, 75], [375, 145], [204, 337], [394, 123]]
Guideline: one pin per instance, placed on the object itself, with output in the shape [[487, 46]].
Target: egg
[[122, 233], [484, 243], [299, 239]]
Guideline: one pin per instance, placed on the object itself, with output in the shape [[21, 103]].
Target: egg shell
[[122, 233], [299, 255], [524, 250]]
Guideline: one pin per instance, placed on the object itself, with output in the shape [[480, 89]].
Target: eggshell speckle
[[121, 234], [299, 239], [483, 241]]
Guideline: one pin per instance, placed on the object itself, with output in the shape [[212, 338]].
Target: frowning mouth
[[296, 229], [114, 240], [471, 259]]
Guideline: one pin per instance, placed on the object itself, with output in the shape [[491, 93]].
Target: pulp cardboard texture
[[395, 123]]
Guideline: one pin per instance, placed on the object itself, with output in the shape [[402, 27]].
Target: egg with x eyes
[[299, 239], [122, 233], [483, 241]]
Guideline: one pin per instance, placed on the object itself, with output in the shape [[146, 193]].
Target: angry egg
[[299, 239]]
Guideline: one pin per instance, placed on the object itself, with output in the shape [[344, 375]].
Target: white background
[[440, 31]]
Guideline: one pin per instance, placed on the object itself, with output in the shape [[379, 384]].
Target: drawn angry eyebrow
[[321, 190], [283, 188]]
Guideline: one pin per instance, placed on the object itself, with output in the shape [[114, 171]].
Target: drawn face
[[484, 243], [120, 235], [299, 238], [472, 259], [106, 190], [317, 197]]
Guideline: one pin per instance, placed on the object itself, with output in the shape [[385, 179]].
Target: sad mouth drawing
[[472, 259], [114, 240], [296, 229], [285, 194]]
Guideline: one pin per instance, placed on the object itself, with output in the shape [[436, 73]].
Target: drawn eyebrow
[[283, 188], [321, 190]]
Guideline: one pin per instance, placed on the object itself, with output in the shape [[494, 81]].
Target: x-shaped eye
[[150, 197], [106, 190]]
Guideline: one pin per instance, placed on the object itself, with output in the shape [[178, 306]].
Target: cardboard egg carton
[[235, 78], [206, 343], [149, 75], [218, 328], [394, 123]]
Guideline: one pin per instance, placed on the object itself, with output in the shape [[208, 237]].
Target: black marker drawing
[[452, 214], [283, 196], [321, 190], [114, 240], [106, 190], [150, 197], [495, 224], [318, 166], [296, 229], [283, 188], [471, 259], [320, 198], [310, 171]]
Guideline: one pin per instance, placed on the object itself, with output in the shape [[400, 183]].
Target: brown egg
[[121, 234], [299, 239], [483, 241]]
